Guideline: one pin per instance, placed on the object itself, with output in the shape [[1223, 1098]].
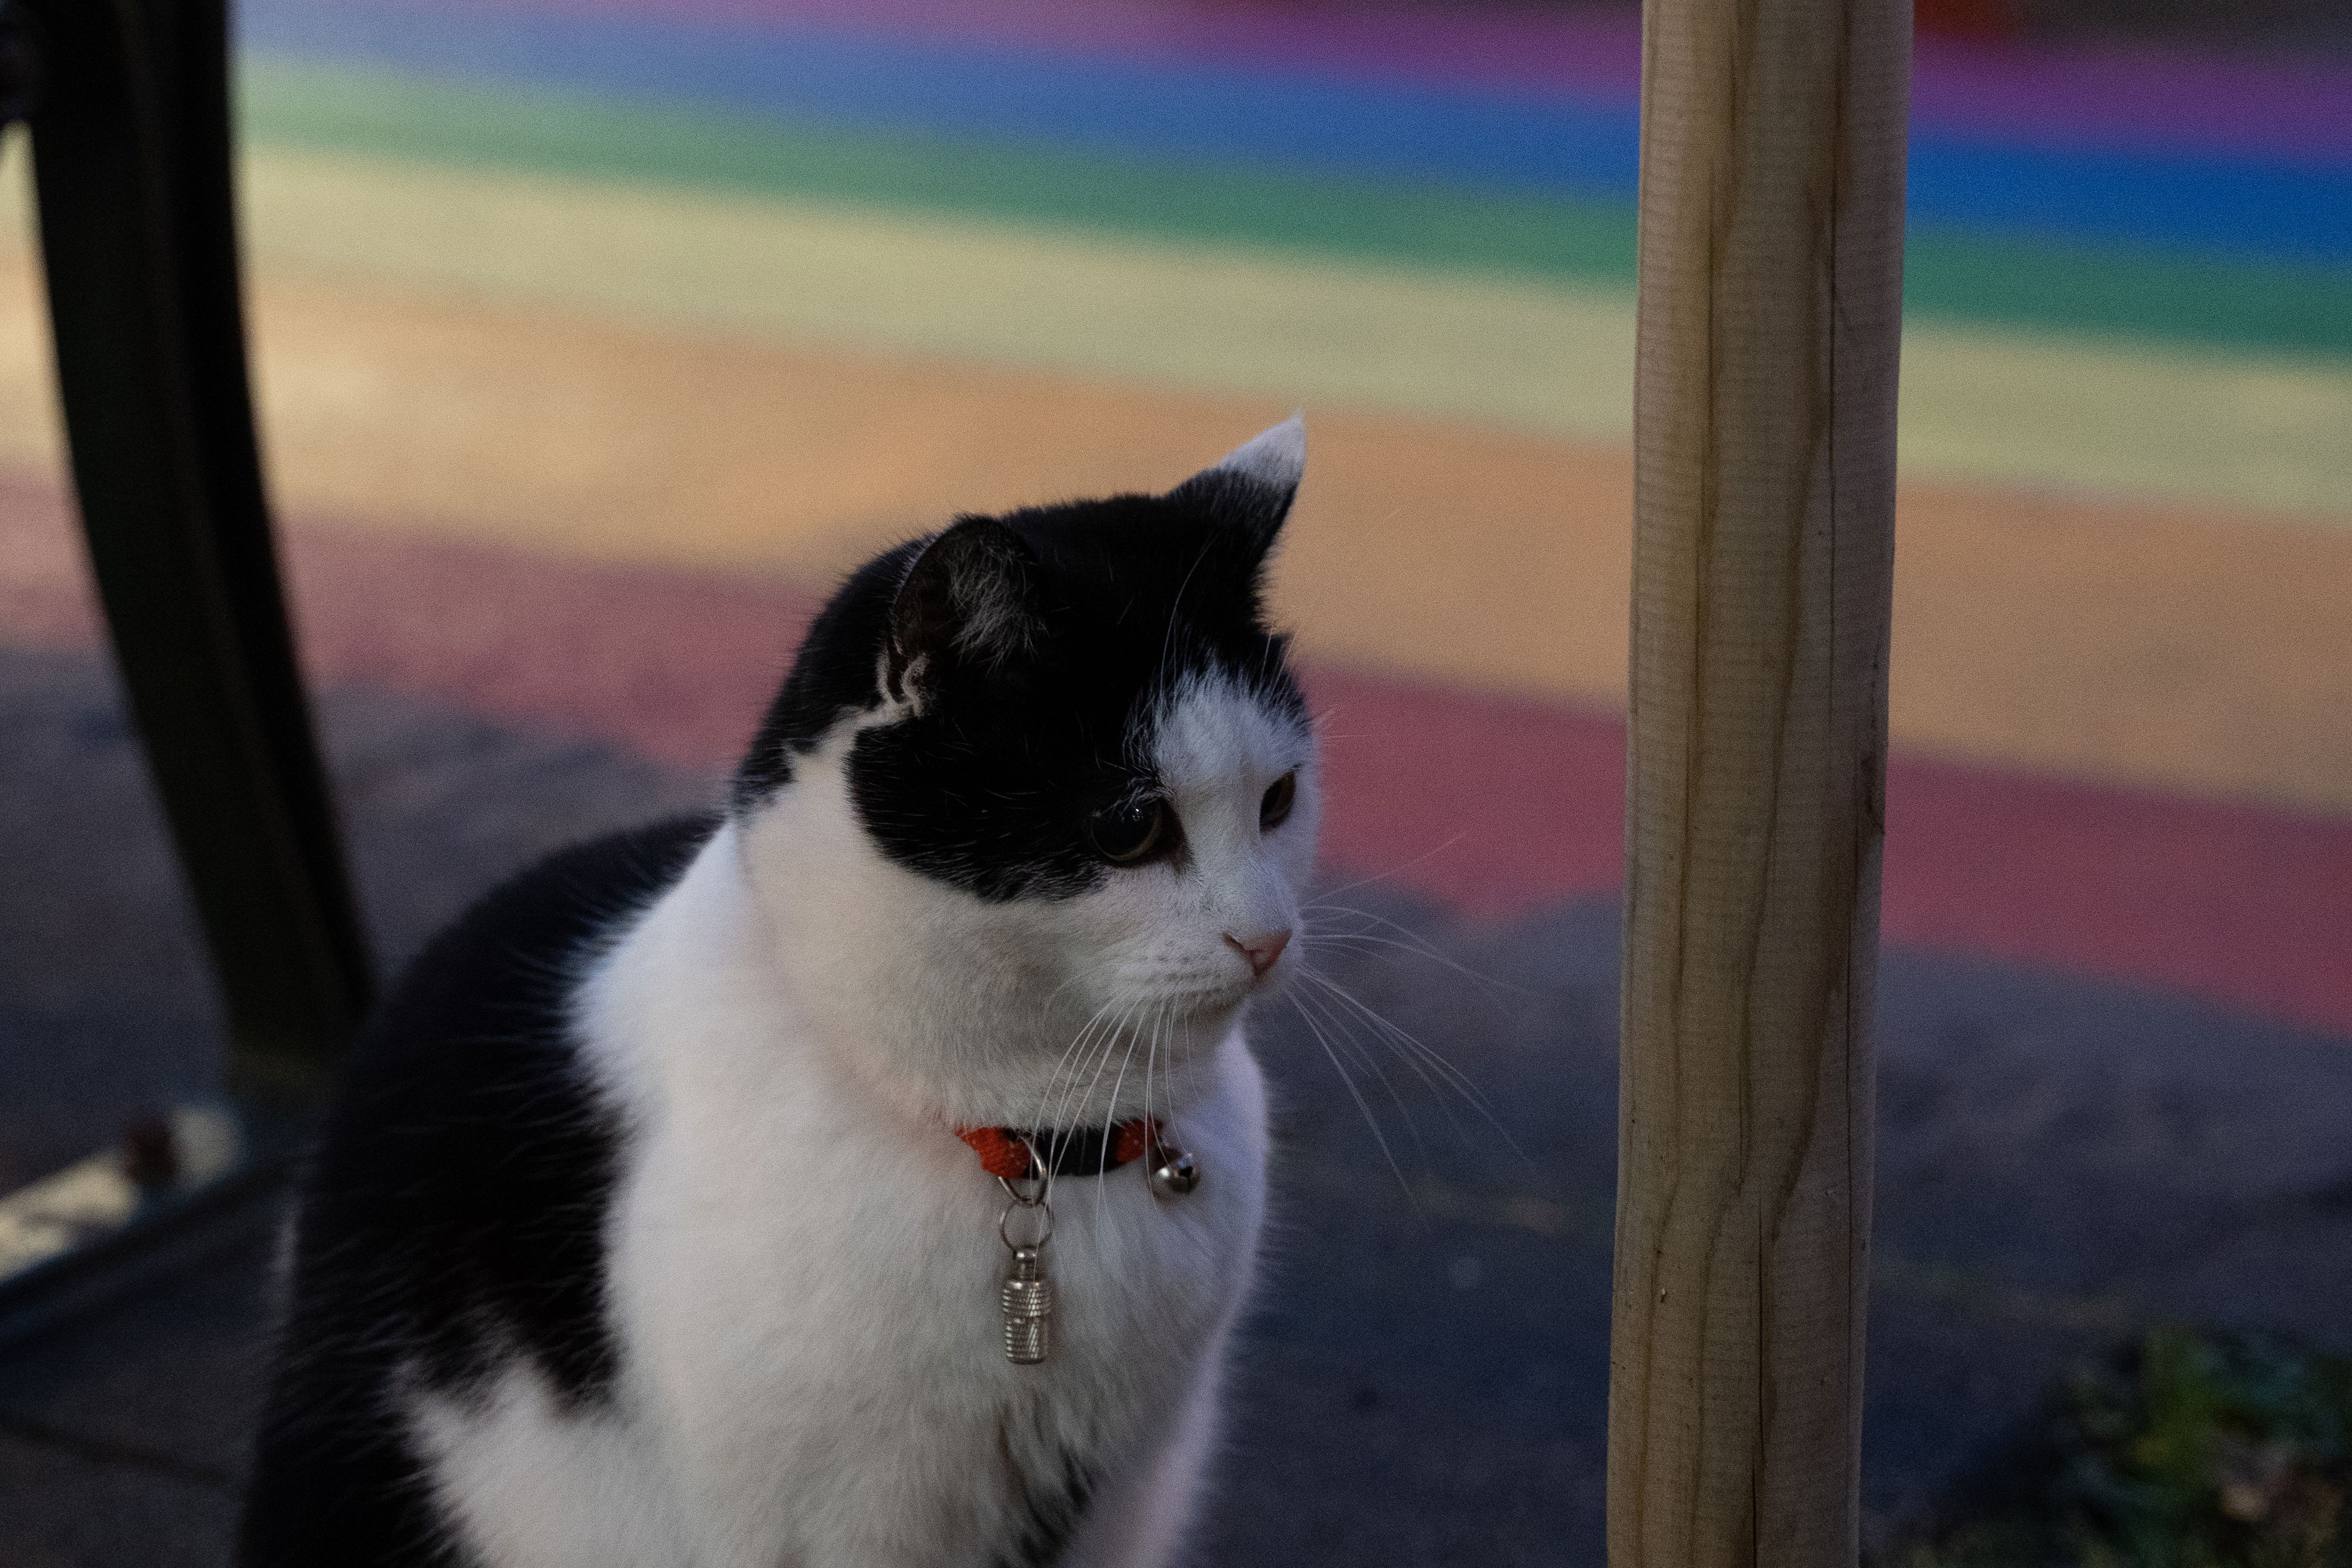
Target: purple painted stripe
[[2136, 99], [2124, 99]]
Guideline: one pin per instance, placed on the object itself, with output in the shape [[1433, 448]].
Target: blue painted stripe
[[1295, 120], [1146, 111], [2228, 206]]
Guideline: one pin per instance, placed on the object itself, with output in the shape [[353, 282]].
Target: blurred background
[[596, 337]]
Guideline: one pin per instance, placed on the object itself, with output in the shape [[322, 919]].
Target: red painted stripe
[[1494, 805], [675, 667], [2246, 905], [1490, 803]]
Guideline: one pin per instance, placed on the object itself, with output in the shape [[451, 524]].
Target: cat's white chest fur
[[804, 1290]]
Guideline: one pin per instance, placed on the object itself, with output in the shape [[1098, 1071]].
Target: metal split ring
[[1044, 1178], [1038, 1206], [1027, 1200]]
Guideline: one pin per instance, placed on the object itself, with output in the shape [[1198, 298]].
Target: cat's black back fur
[[456, 1209]]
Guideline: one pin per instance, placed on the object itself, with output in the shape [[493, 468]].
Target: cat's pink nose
[[1261, 951]]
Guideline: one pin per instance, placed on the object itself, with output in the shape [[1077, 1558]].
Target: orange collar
[[1005, 1152]]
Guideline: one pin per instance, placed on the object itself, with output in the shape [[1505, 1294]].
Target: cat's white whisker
[[1038, 1120], [1405, 1041], [1407, 939], [1413, 1050], [1372, 1122], [1100, 1047], [1345, 1034], [1398, 869], [1150, 1062], [1110, 1106]]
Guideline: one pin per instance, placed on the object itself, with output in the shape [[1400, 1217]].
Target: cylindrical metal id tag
[[1028, 1300]]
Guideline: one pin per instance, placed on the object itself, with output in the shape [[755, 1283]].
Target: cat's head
[[1042, 782]]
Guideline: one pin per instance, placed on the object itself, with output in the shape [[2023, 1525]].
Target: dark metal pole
[[132, 158]]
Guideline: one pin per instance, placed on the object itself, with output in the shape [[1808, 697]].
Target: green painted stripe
[[534, 131], [1545, 357], [2082, 289], [2124, 292]]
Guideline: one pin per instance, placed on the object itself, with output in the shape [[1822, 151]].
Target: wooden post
[[1773, 153]]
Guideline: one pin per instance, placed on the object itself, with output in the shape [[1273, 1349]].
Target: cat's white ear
[[1253, 485], [965, 599], [1275, 456]]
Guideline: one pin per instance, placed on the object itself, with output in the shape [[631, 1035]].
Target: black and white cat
[[651, 1226]]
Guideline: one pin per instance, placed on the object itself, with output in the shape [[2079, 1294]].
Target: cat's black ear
[[966, 600], [1252, 487]]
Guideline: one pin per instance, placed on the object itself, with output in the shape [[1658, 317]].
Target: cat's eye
[[1129, 831], [1274, 806]]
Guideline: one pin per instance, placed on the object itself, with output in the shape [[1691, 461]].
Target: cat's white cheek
[[1133, 942], [1159, 934]]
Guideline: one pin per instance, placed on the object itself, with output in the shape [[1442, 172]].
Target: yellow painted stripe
[[2239, 430], [1180, 316], [2270, 432], [2274, 433]]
